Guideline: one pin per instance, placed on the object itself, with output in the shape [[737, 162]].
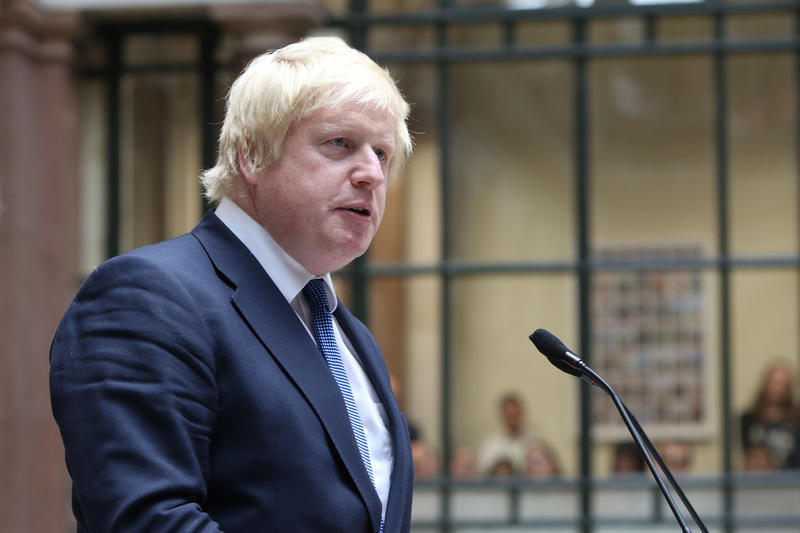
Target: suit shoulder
[[160, 286], [181, 257]]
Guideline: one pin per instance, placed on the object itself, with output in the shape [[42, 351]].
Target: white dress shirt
[[290, 277]]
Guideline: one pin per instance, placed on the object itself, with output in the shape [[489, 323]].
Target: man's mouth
[[359, 211]]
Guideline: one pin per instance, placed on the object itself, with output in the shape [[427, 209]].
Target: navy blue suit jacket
[[190, 398]]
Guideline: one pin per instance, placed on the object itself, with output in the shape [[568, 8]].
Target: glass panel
[[543, 32], [426, 506], [390, 242], [684, 28], [475, 35], [652, 142], [404, 316], [631, 501], [760, 24], [411, 230], [764, 313], [762, 111], [560, 502], [160, 158], [405, 38], [511, 188], [492, 357], [617, 30], [773, 498], [344, 287], [337, 7]]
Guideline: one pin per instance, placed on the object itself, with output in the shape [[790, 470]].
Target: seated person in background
[[541, 461], [758, 458], [772, 419], [677, 455], [793, 461], [502, 468], [462, 462], [627, 459], [512, 443], [426, 461]]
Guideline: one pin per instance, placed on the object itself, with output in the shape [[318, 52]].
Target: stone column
[[38, 247]]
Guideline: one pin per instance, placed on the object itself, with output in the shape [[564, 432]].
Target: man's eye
[[338, 141], [381, 154]]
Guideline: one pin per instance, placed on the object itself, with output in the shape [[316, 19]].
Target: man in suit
[[194, 381]]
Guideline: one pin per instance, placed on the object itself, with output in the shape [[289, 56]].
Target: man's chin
[[336, 261]]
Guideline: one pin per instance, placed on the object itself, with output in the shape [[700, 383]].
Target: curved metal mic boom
[[565, 360]]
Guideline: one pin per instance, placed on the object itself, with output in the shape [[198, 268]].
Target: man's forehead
[[350, 112], [360, 118]]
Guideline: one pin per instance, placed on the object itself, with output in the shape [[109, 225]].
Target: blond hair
[[277, 89]]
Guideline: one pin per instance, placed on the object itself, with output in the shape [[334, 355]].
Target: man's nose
[[370, 170]]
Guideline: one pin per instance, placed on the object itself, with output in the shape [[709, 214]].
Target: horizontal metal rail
[[456, 267], [781, 515]]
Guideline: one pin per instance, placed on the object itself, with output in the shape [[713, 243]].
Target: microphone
[[565, 360]]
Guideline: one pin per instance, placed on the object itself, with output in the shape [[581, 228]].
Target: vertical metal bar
[[358, 28], [650, 29], [443, 116], [509, 32], [721, 125], [797, 138], [208, 122], [359, 284], [113, 75], [581, 102], [514, 503]]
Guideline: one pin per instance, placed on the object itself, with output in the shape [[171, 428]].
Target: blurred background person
[[511, 443], [759, 458], [426, 460], [676, 454], [627, 459], [541, 461], [772, 419], [502, 468], [463, 462]]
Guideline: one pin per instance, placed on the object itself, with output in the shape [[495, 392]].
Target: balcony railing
[[765, 502]]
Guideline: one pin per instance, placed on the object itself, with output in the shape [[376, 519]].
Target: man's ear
[[246, 168]]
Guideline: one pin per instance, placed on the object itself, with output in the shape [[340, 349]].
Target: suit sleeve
[[133, 392]]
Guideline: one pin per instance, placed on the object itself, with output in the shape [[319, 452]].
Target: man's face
[[512, 416], [324, 199]]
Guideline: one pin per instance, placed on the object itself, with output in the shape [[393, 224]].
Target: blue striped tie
[[317, 298]]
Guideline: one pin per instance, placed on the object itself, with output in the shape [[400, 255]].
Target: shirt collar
[[288, 275]]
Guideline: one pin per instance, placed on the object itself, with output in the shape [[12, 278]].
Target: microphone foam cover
[[554, 350], [547, 343]]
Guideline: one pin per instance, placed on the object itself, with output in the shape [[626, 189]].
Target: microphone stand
[[563, 359], [635, 430], [666, 472]]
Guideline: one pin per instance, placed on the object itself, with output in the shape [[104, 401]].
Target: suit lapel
[[375, 367], [270, 316]]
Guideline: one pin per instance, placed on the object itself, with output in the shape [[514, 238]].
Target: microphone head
[[552, 348]]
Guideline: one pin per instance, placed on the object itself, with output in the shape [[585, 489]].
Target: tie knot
[[315, 294]]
